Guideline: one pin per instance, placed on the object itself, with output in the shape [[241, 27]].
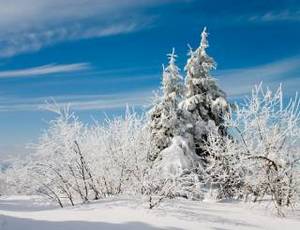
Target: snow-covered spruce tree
[[180, 163], [205, 103], [164, 123]]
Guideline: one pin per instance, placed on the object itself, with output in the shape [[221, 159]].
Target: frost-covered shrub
[[59, 164], [224, 172], [119, 151], [75, 163], [261, 157], [16, 177]]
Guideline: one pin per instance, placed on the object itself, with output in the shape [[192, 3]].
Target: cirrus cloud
[[45, 70], [28, 26]]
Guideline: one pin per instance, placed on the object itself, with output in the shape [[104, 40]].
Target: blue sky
[[99, 55]]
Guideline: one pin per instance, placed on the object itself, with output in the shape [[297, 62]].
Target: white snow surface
[[32, 213]]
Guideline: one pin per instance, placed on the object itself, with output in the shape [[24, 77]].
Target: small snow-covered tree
[[164, 120], [205, 103]]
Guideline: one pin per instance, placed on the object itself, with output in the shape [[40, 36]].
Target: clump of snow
[[219, 104], [177, 157]]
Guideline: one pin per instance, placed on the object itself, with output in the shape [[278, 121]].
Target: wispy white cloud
[[78, 102], [237, 82], [45, 70], [284, 15], [34, 41], [28, 26]]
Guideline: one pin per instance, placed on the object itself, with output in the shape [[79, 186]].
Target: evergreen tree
[[205, 103], [171, 83], [164, 124]]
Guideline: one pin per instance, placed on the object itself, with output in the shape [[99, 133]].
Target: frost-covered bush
[[260, 159], [59, 165], [75, 163], [271, 140], [224, 172], [16, 178], [119, 150]]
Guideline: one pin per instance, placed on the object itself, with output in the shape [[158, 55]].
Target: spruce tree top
[[205, 103], [171, 85], [199, 82]]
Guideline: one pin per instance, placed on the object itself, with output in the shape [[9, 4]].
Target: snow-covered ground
[[32, 213]]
